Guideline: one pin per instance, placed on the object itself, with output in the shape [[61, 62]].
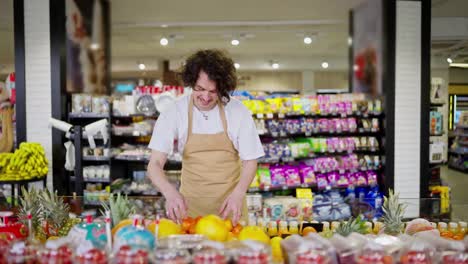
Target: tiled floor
[[458, 182]]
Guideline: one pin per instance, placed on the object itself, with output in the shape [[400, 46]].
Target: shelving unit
[[458, 159]]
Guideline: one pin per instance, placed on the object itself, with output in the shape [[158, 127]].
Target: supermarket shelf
[[73, 178], [464, 170], [93, 158], [170, 164], [285, 188], [133, 115], [310, 115], [327, 134], [87, 115], [133, 134], [318, 155], [462, 126], [95, 203], [132, 158], [437, 135], [437, 104], [35, 179]]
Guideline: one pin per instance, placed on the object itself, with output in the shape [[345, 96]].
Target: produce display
[[26, 163], [120, 236]]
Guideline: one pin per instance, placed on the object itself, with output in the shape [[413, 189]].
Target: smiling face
[[205, 95]]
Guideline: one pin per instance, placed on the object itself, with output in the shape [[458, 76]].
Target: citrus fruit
[[187, 223], [228, 224], [236, 230], [166, 228], [212, 227], [308, 230], [276, 248], [254, 233]]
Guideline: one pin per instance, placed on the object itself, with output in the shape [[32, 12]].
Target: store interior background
[[138, 26]]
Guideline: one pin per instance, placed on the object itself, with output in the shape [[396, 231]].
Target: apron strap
[[190, 117]]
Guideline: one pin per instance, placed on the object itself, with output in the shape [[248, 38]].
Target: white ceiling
[[274, 30]]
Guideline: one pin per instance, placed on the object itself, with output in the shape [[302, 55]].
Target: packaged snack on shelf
[[323, 125], [306, 105], [297, 106], [373, 144], [343, 180], [100, 104], [292, 208], [352, 124], [361, 178], [333, 178], [286, 105], [255, 182], [375, 125], [254, 202], [307, 210], [264, 176], [375, 199], [278, 177], [292, 176], [314, 106], [371, 178], [322, 181], [274, 208], [307, 174], [82, 103], [299, 149], [352, 179]]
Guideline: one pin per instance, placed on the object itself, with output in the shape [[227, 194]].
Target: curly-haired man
[[217, 138]]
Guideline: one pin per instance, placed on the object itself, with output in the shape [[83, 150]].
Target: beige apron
[[211, 169]]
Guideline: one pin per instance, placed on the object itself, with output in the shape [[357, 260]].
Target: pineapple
[[393, 214], [120, 208], [54, 213], [30, 203], [356, 225]]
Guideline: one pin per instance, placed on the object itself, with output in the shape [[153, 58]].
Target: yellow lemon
[[254, 233], [212, 227], [276, 248], [166, 228]]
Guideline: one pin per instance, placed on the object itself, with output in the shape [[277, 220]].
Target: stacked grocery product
[[119, 237], [26, 163]]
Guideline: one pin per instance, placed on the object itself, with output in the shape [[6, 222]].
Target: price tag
[[280, 115], [269, 115], [304, 193], [260, 116]]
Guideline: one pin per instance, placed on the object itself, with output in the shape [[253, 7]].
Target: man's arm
[[234, 202], [176, 207]]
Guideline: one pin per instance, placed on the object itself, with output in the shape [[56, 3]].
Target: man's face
[[204, 93]]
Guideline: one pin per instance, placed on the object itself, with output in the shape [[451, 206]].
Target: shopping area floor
[[458, 183]]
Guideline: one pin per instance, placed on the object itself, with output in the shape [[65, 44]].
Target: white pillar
[[408, 104], [38, 76]]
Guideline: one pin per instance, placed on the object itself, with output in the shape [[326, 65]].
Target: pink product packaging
[[330, 145], [371, 178], [341, 108], [343, 180], [324, 104], [351, 146], [323, 125], [349, 107], [344, 124], [361, 178], [307, 174], [333, 107], [322, 181], [342, 145], [292, 176], [352, 124], [351, 178], [336, 125], [277, 176], [333, 178]]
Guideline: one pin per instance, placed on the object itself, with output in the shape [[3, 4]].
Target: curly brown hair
[[217, 65]]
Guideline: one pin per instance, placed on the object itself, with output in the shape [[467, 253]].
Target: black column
[[20, 84], [58, 75]]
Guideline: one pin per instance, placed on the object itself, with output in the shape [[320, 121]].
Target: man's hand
[[176, 206], [233, 205]]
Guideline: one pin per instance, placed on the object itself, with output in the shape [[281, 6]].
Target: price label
[[280, 115], [269, 115], [304, 193], [260, 116]]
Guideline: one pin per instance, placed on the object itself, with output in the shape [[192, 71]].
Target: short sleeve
[[249, 144], [165, 131]]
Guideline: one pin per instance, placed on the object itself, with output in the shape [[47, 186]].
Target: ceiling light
[[235, 42], [449, 60], [141, 66], [459, 65], [94, 46], [275, 65], [164, 26], [307, 40], [325, 65], [237, 65], [164, 41]]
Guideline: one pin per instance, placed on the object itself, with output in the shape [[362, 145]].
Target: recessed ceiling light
[[94, 46], [275, 65], [325, 65], [307, 40], [141, 66], [449, 60], [164, 26], [235, 42], [237, 65], [164, 41]]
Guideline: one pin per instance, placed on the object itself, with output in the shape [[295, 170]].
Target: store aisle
[[458, 183]]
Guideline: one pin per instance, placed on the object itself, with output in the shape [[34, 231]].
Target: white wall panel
[[408, 104], [38, 81]]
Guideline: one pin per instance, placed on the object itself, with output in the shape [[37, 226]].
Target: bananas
[[26, 163]]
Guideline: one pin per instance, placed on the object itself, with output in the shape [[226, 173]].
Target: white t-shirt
[[173, 124]]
